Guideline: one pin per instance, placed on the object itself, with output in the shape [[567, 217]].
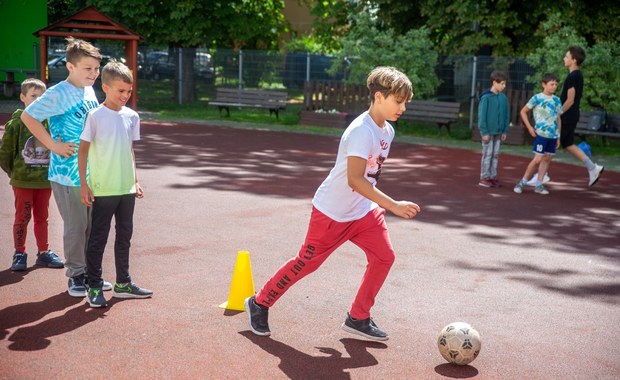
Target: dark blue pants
[[121, 207]]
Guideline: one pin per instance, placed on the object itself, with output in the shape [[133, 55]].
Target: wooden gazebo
[[89, 23]]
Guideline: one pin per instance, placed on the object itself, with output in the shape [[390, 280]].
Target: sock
[[538, 182], [589, 164]]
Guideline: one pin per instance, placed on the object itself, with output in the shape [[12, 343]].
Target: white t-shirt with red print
[[363, 138]]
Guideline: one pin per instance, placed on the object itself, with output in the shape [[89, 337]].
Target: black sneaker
[[49, 259], [258, 316], [96, 298], [364, 327], [131, 290], [20, 260]]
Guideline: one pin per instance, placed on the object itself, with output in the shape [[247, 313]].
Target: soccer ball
[[459, 343]]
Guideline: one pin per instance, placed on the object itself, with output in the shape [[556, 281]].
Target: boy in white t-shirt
[[106, 147], [348, 207]]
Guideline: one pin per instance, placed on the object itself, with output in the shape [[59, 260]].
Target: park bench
[[583, 128], [225, 98], [432, 111]]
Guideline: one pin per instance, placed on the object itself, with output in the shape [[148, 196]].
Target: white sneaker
[[595, 174], [532, 182]]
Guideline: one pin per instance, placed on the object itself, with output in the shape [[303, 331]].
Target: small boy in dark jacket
[[493, 122], [26, 161]]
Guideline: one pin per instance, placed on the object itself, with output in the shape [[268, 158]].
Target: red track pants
[[323, 237], [31, 203]]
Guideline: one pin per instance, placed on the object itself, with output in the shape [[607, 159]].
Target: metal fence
[[462, 77]]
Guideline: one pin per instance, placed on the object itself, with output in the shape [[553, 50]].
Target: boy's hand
[[504, 136], [64, 149], [406, 210], [486, 138], [531, 131], [86, 196], [139, 191], [557, 144]]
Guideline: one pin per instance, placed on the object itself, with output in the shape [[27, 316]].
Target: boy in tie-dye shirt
[[547, 109], [66, 105]]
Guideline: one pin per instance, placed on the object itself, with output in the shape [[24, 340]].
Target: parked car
[[159, 65], [295, 66]]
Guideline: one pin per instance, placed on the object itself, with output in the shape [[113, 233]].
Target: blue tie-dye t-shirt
[[546, 110], [66, 107]]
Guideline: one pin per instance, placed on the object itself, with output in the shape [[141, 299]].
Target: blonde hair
[[78, 49], [389, 81], [29, 83], [115, 70]]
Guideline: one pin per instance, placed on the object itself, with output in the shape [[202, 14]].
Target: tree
[[366, 47], [196, 23]]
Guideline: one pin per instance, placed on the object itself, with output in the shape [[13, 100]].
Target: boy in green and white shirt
[[106, 148]]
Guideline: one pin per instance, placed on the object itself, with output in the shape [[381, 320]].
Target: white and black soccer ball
[[459, 343]]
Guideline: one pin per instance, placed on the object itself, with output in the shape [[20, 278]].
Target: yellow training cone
[[242, 285]]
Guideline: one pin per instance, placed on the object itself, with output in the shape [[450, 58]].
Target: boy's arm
[[7, 149], [86, 196], [557, 145], [524, 111], [139, 191], [482, 120], [356, 168], [570, 99], [37, 129]]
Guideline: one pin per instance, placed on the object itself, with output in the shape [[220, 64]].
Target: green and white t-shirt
[[110, 159]]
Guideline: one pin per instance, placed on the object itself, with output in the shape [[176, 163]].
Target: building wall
[[298, 16], [18, 47]]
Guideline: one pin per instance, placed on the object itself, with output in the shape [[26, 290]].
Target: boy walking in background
[[493, 122], [349, 207], [547, 109], [572, 90], [66, 105], [112, 188], [26, 161]]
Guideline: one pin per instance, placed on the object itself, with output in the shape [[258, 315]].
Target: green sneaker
[[131, 290], [519, 187], [96, 298]]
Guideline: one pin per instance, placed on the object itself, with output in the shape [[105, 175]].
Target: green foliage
[[330, 22], [306, 44], [367, 47], [252, 24], [600, 70]]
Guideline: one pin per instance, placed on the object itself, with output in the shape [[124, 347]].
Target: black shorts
[[567, 134]]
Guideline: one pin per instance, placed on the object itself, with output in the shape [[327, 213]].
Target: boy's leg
[[40, 212], [543, 167], [123, 218], [103, 209], [485, 162], [496, 141], [76, 227], [374, 240], [323, 237], [23, 212]]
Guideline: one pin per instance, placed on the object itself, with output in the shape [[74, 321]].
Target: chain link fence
[[462, 77]]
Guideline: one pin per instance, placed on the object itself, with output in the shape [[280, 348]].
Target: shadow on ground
[[573, 219]]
